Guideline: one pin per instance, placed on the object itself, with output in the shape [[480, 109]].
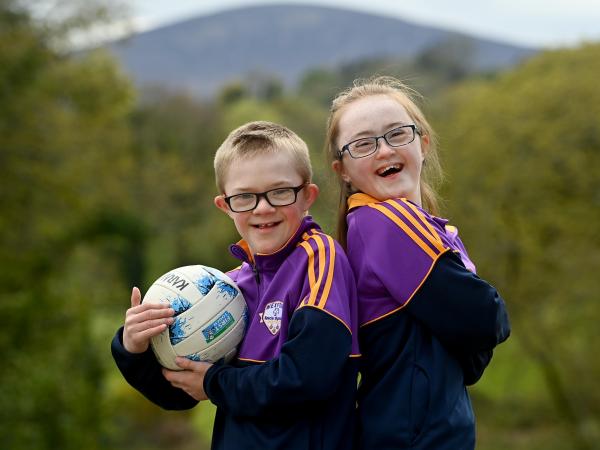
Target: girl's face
[[390, 172]]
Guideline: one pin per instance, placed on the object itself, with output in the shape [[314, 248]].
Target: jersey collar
[[360, 199]]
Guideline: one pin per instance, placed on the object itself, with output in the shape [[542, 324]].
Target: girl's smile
[[390, 172]]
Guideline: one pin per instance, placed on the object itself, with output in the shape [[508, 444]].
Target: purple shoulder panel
[[392, 247]]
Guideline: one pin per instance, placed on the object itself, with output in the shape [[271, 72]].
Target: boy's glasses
[[363, 147], [275, 197]]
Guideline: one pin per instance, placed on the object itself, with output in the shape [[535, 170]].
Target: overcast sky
[[538, 23]]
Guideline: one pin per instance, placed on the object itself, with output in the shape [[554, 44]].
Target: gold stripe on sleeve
[[390, 215], [311, 263], [329, 279], [315, 287], [431, 235], [425, 221]]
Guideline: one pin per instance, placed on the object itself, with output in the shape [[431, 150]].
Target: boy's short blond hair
[[260, 137]]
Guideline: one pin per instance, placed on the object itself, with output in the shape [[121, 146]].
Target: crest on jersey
[[272, 315]]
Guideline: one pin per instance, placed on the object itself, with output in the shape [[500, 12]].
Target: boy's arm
[[142, 371], [307, 369]]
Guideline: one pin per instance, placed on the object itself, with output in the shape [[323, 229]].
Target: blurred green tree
[[62, 137], [523, 157]]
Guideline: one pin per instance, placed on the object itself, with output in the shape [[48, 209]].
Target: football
[[210, 315]]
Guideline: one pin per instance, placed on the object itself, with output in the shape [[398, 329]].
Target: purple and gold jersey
[[311, 271], [406, 245]]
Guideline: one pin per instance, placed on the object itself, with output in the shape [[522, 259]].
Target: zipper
[[256, 273]]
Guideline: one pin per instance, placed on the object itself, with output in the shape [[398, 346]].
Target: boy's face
[[266, 228]]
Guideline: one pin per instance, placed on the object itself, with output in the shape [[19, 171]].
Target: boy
[[292, 385]]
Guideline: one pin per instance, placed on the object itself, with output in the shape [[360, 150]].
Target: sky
[[532, 23]]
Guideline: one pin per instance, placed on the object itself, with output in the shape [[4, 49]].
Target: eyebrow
[[369, 133], [276, 185]]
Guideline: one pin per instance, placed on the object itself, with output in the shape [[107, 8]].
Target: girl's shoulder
[[396, 223]]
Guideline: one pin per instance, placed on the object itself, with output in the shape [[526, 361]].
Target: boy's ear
[[222, 204], [311, 193]]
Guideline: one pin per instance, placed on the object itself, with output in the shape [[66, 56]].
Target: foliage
[[61, 132], [523, 154], [102, 189], [429, 71]]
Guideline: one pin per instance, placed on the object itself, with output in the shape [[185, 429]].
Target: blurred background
[[111, 111]]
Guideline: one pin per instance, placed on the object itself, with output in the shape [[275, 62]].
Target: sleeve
[[473, 365], [143, 372], [464, 312], [308, 368]]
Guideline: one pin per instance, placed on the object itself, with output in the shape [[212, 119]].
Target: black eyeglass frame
[[259, 195], [346, 148]]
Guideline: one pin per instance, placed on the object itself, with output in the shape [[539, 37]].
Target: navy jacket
[[293, 383], [428, 325]]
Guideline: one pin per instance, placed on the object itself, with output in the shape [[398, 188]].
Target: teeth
[[265, 225], [386, 168]]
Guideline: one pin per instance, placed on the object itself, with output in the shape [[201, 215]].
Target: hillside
[[201, 54]]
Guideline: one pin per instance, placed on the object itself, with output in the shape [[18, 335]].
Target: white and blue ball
[[210, 315]]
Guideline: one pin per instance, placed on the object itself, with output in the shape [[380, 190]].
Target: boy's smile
[[266, 228]]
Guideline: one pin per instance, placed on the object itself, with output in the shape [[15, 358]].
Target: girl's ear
[[338, 167], [424, 145]]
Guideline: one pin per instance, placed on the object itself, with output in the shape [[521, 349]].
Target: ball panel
[[163, 350], [179, 284], [225, 347], [202, 279], [218, 274], [161, 294], [198, 314], [213, 327]]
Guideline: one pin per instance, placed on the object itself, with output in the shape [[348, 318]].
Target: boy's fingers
[[153, 331], [147, 317], [196, 366], [184, 363], [136, 297]]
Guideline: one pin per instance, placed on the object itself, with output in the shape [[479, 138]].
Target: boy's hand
[[144, 321], [191, 379]]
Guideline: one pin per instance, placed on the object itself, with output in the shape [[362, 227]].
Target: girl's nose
[[384, 150]]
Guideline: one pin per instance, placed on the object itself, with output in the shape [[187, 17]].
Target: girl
[[428, 323]]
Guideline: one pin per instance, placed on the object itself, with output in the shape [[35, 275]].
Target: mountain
[[201, 54]]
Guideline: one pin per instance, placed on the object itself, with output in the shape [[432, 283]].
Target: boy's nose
[[263, 206]]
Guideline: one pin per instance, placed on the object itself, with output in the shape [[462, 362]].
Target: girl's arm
[[463, 311]]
